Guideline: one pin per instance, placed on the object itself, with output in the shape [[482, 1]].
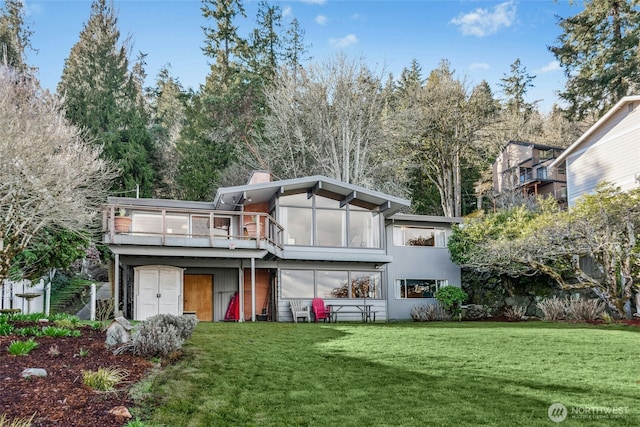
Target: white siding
[[612, 154]]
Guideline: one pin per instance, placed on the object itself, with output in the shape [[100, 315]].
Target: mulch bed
[[61, 398]]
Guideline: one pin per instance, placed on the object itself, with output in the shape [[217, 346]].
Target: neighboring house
[[273, 242], [525, 167], [608, 151]]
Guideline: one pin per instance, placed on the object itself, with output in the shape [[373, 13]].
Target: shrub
[[156, 339], [104, 379], [514, 313], [65, 317], [104, 310], [22, 348], [184, 324], [450, 297], [52, 331], [553, 308], [21, 317], [585, 309], [29, 331], [67, 323], [6, 329], [161, 335], [16, 422], [428, 313]]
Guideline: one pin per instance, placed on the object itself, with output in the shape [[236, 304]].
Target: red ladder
[[233, 310]]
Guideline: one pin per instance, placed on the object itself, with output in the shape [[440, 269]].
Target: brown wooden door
[[198, 295]]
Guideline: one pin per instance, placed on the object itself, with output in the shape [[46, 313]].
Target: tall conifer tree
[[104, 97], [598, 50], [14, 36]]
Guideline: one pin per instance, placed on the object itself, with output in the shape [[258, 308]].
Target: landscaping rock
[[34, 372], [120, 411], [119, 332]]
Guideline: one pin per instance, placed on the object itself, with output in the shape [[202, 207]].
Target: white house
[[608, 151]]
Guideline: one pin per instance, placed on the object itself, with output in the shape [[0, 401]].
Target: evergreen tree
[[265, 51], [295, 49], [102, 96], [205, 147], [168, 117], [598, 50], [222, 41], [515, 87], [15, 36], [409, 85]]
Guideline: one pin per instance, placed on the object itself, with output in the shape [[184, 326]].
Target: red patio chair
[[320, 311]]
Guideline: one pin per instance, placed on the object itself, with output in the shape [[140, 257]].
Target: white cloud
[[345, 41], [287, 11], [321, 20], [314, 1], [30, 9], [357, 17], [550, 67], [484, 22], [479, 66]]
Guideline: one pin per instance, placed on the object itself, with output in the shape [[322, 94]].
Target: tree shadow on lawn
[[378, 394]]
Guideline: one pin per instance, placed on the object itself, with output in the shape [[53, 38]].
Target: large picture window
[[331, 283], [321, 221], [418, 288], [327, 284], [364, 229], [419, 236], [330, 226], [297, 283]]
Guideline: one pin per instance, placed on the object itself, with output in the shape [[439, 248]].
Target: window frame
[[348, 291], [317, 207], [401, 283], [400, 239]]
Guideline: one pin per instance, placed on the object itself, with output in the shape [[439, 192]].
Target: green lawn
[[404, 374]]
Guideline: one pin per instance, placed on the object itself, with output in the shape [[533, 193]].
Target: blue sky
[[480, 39]]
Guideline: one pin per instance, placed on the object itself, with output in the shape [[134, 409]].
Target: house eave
[[573, 147]]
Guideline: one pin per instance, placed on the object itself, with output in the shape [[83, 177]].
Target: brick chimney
[[259, 177]]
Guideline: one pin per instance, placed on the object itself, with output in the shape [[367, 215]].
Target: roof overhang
[[427, 218], [230, 198], [573, 147]]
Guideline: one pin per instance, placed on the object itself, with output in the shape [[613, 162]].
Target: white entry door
[[158, 289]]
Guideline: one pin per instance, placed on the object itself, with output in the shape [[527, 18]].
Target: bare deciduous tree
[[49, 176], [325, 119]]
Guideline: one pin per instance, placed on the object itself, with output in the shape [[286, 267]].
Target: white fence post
[[93, 301], [47, 299]]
